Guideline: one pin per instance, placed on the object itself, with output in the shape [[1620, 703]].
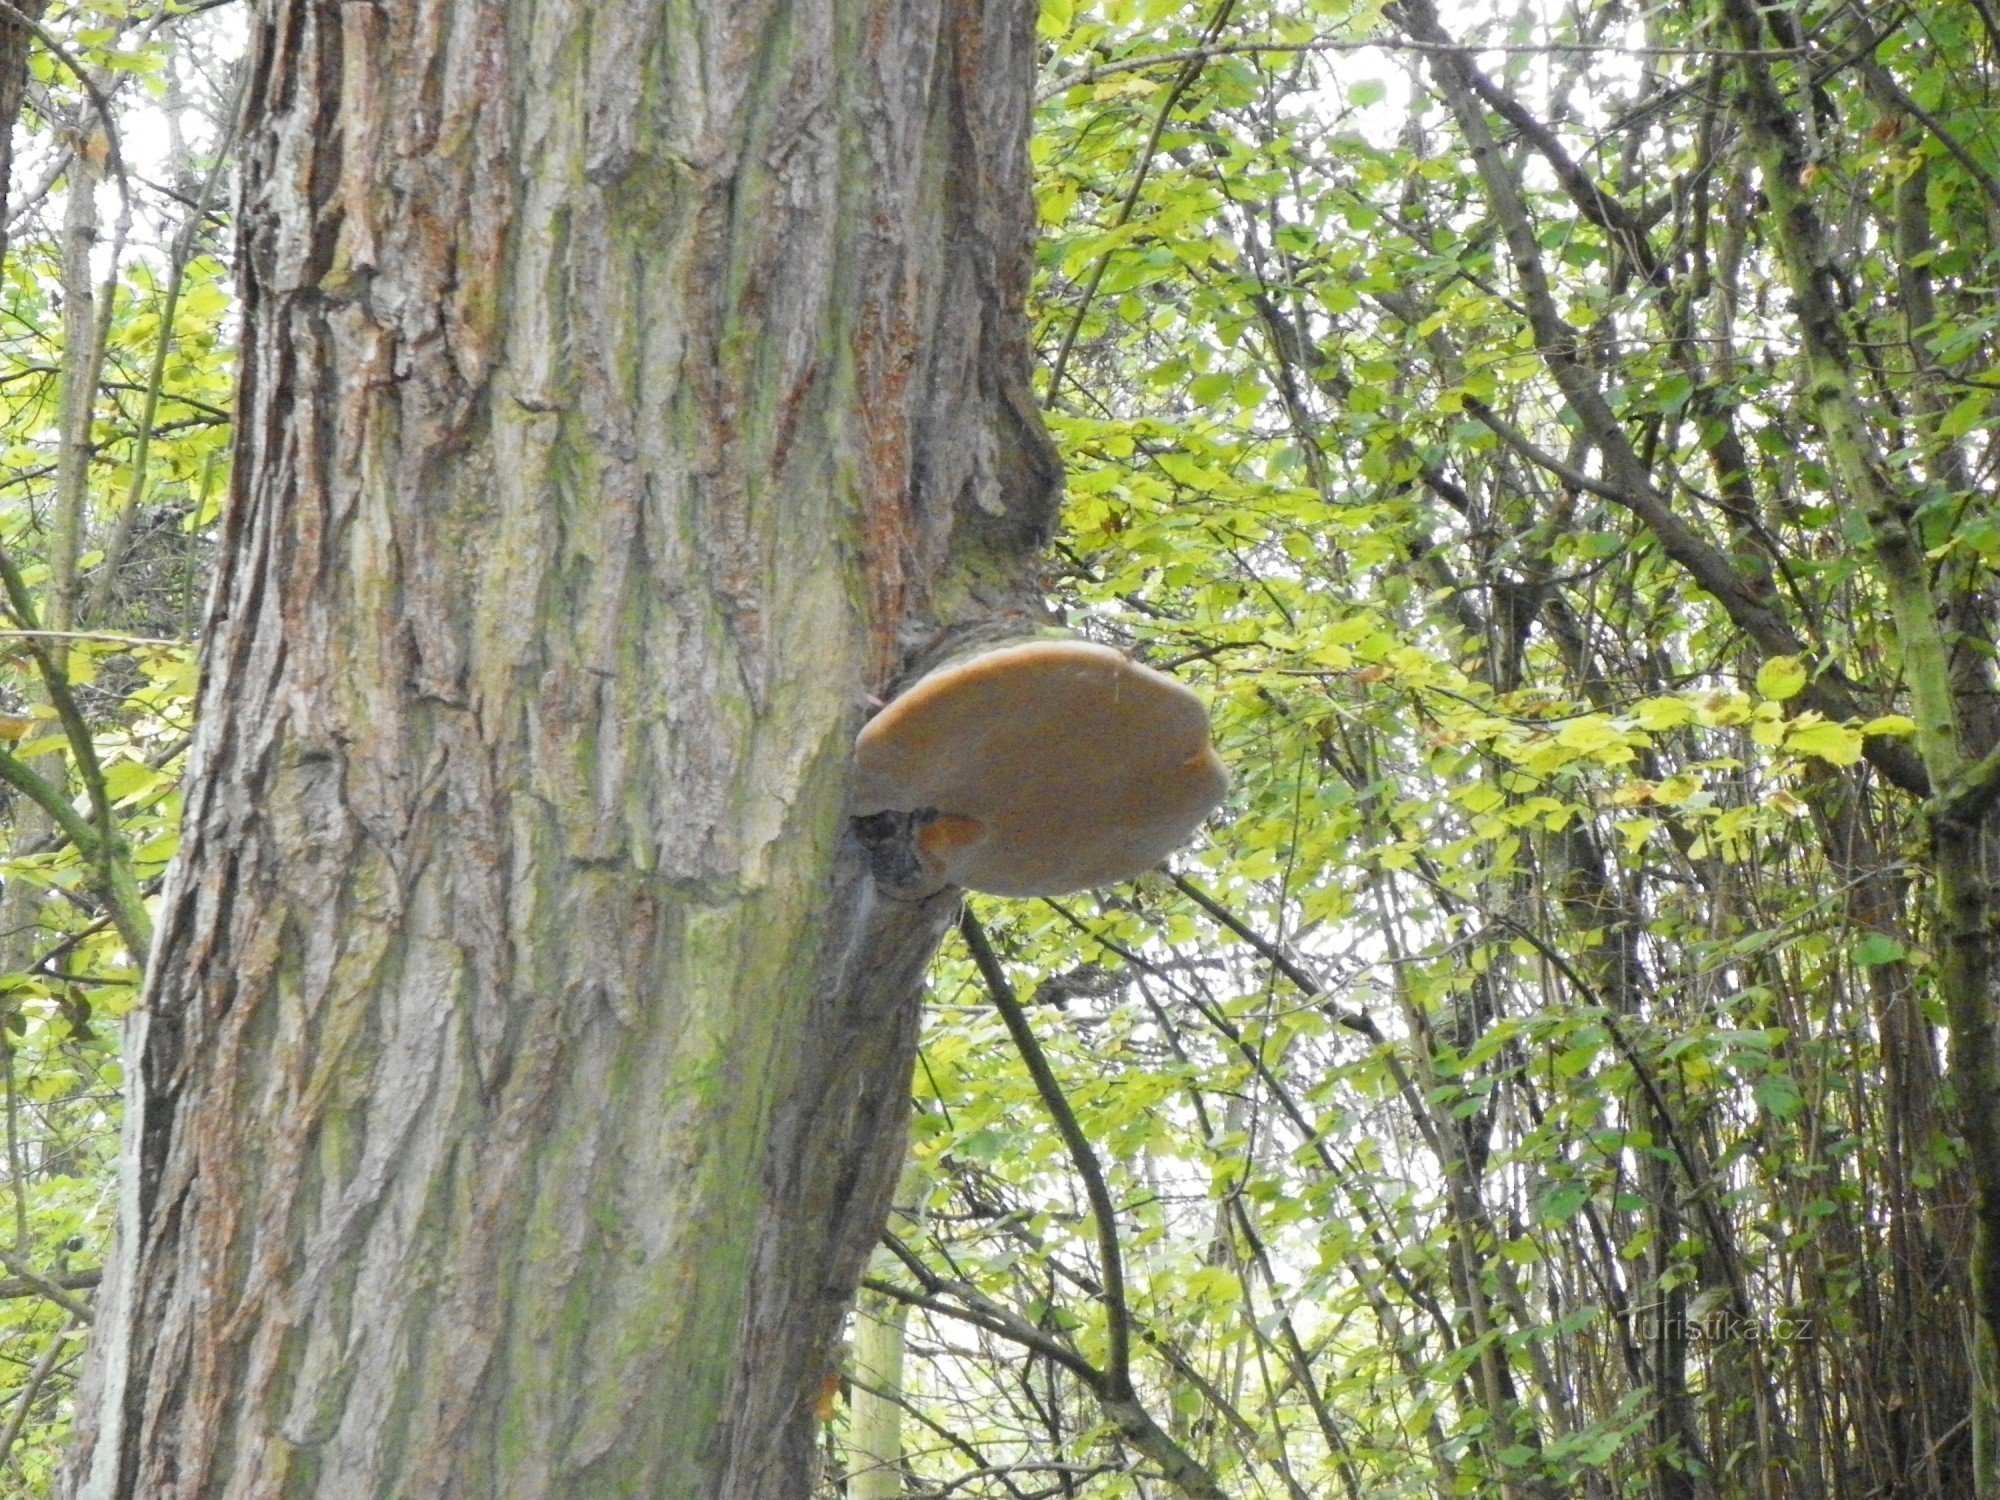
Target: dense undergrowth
[[1538, 1082]]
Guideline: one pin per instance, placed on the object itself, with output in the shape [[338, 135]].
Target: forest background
[[1543, 431]]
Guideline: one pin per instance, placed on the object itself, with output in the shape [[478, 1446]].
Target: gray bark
[[16, 43], [628, 390]]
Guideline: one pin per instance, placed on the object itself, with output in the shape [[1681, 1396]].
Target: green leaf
[[1590, 735], [1900, 725], [1657, 714], [1781, 677], [1877, 949], [1560, 1205], [1965, 416], [1779, 1095], [1836, 744]]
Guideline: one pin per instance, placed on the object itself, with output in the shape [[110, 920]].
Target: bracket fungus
[[1039, 768]]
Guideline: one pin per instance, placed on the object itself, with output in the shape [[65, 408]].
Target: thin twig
[[1085, 76], [994, 1320], [13, 1287], [104, 845], [17, 1177], [45, 1287], [98, 100], [111, 637], [37, 1377], [182, 254], [1118, 1321], [1190, 71]]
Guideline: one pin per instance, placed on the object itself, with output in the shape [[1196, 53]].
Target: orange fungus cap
[[1051, 766]]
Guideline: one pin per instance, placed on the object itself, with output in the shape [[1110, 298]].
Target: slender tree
[[628, 391]]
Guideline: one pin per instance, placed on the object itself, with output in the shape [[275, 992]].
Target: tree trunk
[[16, 43], [628, 390], [875, 1422], [81, 365]]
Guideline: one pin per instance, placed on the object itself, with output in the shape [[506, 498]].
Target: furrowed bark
[[627, 391]]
